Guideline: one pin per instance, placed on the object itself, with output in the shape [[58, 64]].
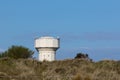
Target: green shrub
[[17, 52]]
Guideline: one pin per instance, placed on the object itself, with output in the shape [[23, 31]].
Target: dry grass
[[28, 69]]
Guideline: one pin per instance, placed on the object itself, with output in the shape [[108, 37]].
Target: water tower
[[47, 46]]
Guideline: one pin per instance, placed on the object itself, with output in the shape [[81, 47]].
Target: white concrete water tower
[[47, 46]]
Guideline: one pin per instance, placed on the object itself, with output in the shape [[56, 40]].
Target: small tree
[[17, 52], [3, 54], [82, 56]]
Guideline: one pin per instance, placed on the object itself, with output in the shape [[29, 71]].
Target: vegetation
[[76, 69], [17, 52], [14, 65], [82, 56]]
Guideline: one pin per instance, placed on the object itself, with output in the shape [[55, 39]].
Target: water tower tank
[[47, 46]]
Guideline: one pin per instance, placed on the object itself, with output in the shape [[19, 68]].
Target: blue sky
[[88, 26]]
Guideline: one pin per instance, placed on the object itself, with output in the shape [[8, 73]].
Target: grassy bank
[[28, 69]]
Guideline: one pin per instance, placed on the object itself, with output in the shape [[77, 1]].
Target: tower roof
[[47, 37]]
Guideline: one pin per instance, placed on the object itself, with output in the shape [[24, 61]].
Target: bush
[[83, 56], [17, 52]]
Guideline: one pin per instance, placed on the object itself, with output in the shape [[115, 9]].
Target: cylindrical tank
[[47, 46]]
